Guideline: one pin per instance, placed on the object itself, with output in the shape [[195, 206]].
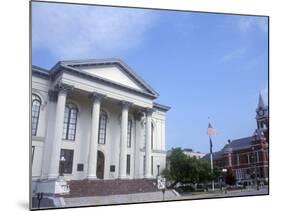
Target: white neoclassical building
[[95, 119]]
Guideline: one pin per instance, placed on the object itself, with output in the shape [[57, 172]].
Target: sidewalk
[[155, 196], [230, 193], [120, 199]]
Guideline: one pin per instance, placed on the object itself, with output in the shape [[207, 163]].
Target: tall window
[[129, 136], [32, 151], [128, 164], [70, 122], [152, 132], [102, 127], [66, 166], [144, 165], [36, 103], [151, 165]]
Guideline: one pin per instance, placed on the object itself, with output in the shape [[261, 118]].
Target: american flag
[[211, 131]]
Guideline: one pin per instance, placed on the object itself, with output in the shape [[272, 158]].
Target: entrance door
[[100, 165]]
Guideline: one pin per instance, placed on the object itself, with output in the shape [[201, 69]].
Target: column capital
[[126, 104], [53, 95], [96, 96], [138, 115], [62, 87], [149, 111]]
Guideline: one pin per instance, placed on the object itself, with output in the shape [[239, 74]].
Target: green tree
[[183, 169], [178, 171], [201, 172]]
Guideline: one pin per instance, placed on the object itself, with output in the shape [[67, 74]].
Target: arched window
[[129, 136], [70, 122], [36, 103], [102, 127]]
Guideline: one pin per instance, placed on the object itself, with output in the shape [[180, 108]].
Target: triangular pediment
[[113, 71]]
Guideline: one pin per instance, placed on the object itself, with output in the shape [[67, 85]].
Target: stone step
[[82, 188]]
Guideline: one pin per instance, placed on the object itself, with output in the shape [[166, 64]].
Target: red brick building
[[247, 157]]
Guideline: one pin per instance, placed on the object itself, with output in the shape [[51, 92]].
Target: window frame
[[128, 164], [102, 127], [32, 154], [151, 165], [129, 133], [67, 122], [35, 99]]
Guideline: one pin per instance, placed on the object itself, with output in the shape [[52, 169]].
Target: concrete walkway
[[155, 196], [120, 199], [219, 194]]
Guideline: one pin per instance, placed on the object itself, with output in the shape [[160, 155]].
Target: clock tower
[[262, 116]]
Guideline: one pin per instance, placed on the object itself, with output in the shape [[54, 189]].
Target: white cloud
[[248, 23], [76, 31], [233, 55]]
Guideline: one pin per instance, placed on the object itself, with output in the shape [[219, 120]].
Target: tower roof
[[261, 103]]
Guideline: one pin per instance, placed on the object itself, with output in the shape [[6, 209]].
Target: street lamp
[[224, 171], [62, 160]]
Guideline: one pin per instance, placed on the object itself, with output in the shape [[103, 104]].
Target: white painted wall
[[111, 104]]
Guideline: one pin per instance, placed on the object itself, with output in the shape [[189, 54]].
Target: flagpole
[[211, 161]]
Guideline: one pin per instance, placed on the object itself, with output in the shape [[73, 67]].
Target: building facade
[[190, 153], [95, 119], [247, 158]]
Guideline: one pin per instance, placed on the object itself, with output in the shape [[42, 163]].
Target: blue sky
[[203, 65]]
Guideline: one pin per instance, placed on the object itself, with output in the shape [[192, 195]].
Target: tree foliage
[[183, 169]]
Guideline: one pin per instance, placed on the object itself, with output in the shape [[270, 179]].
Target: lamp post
[[39, 198], [224, 172], [211, 132]]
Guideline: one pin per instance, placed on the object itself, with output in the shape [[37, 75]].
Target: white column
[[148, 144], [56, 144], [93, 152], [138, 138], [124, 137]]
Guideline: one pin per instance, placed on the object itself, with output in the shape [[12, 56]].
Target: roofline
[[59, 67], [239, 139], [41, 71], [69, 65], [161, 107]]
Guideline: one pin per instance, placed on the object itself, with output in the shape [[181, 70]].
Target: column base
[[53, 176], [92, 177], [148, 176], [123, 177]]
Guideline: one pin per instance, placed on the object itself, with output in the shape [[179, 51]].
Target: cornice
[[91, 77]]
